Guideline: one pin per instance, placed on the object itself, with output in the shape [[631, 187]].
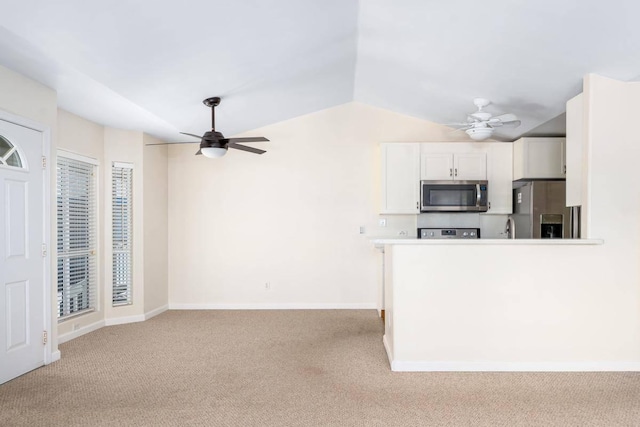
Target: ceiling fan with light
[[213, 144], [481, 124]]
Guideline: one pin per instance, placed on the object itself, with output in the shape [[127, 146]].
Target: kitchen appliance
[[453, 196], [539, 212], [448, 233]]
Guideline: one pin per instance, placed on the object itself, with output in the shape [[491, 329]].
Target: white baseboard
[[55, 356], [385, 342], [137, 318], [423, 366], [281, 306], [80, 331], [149, 314], [125, 319]]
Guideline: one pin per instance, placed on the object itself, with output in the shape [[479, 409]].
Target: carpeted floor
[[290, 368]]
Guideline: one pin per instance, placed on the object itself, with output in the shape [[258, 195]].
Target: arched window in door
[[9, 155]]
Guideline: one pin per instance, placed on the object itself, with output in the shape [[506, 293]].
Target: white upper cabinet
[[400, 178], [500, 177], [436, 166], [470, 166], [452, 161], [575, 143], [539, 158]]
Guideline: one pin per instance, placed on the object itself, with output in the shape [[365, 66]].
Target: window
[[76, 206], [122, 217], [9, 154]]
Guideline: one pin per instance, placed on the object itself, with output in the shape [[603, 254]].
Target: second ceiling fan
[[213, 144], [480, 125]]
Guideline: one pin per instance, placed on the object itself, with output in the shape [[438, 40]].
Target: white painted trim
[[385, 342], [149, 314], [424, 366], [55, 356], [122, 320], [75, 156], [282, 306], [80, 331]]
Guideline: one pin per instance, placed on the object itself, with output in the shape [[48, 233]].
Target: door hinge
[[44, 162], [44, 249], [44, 337]]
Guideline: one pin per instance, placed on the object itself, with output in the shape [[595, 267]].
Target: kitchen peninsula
[[486, 305], [533, 305]]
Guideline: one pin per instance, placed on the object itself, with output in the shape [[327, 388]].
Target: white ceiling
[[147, 65]]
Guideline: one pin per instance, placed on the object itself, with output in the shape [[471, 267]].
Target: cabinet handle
[[456, 171], [450, 172]]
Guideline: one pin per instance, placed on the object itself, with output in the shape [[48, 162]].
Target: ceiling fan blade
[[248, 139], [171, 143], [504, 118], [243, 148], [514, 123], [199, 153], [190, 134], [464, 125]]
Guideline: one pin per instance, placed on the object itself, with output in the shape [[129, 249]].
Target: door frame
[[45, 131]]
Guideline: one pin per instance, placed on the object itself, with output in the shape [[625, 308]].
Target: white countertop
[[413, 241]]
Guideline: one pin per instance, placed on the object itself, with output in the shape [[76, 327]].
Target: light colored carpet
[[290, 368]]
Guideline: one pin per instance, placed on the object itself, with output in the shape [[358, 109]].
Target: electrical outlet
[[382, 222], [362, 229], [402, 233], [267, 286]]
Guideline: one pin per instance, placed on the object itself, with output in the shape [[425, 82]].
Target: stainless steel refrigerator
[[539, 211]]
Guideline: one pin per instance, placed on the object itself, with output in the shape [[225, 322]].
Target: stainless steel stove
[[448, 233]]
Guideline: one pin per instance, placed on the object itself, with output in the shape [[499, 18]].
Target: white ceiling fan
[[481, 124]]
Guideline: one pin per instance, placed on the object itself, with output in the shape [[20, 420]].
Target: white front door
[[22, 265]]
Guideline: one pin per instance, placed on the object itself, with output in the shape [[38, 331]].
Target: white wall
[[290, 217]]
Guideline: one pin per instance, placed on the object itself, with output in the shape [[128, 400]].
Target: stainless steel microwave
[[453, 196]]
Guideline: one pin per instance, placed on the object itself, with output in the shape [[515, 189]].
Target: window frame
[[91, 252], [122, 239]]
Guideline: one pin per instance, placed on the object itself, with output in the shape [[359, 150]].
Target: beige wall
[[155, 225], [290, 217]]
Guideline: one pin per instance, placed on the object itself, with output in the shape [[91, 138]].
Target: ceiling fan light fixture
[[480, 133], [213, 152]]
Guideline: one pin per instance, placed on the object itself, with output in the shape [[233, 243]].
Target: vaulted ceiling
[[147, 65]]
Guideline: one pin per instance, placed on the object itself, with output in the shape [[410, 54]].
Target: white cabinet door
[[447, 166], [400, 178], [574, 144], [538, 158], [500, 177], [436, 166], [470, 166]]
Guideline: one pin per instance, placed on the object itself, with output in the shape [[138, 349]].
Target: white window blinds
[[122, 217], [76, 212]]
